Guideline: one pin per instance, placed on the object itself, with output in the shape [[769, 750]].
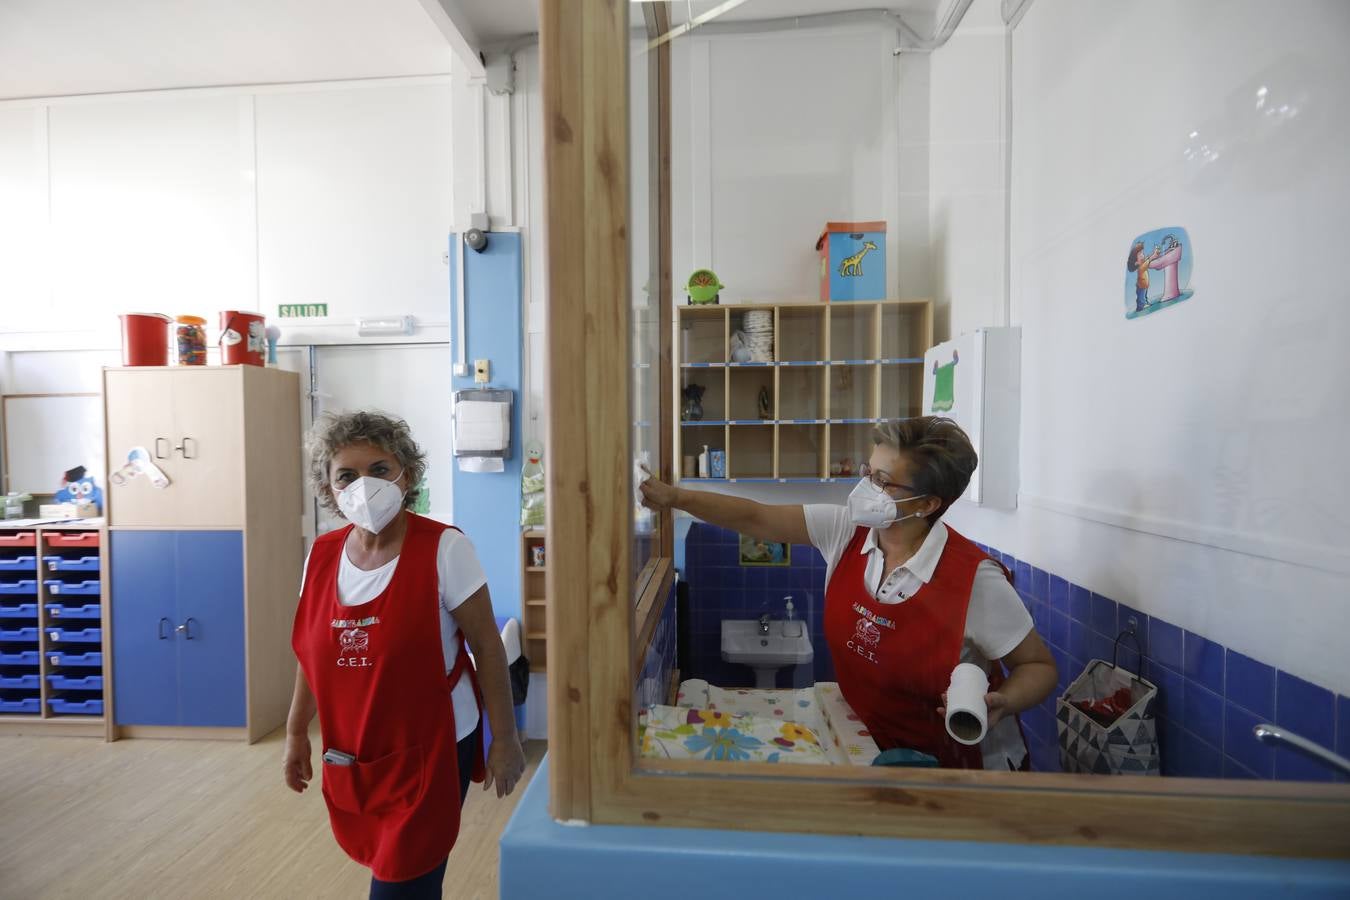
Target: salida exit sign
[[302, 310]]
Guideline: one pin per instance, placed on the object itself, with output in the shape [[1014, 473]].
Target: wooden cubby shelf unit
[[836, 371]]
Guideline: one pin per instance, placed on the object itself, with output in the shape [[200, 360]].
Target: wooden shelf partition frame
[[595, 773]]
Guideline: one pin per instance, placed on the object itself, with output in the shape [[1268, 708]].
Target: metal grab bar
[[1277, 736]]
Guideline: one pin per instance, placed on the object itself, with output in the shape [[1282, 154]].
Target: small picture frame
[[755, 552]]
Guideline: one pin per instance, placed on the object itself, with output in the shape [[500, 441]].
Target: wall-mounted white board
[[49, 434], [976, 379]]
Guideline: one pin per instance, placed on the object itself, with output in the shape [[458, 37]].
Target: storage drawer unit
[[18, 610], [8, 563], [70, 563], [74, 683], [74, 588], [71, 611]]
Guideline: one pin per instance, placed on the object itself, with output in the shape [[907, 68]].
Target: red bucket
[[145, 339], [243, 339]]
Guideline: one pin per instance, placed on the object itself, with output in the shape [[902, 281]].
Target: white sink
[[786, 644]]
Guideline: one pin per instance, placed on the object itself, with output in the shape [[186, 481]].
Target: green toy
[[703, 287]]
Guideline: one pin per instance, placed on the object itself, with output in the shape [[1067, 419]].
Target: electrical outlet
[[480, 371]]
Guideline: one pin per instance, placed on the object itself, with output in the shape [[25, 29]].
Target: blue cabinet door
[[209, 584], [145, 648]]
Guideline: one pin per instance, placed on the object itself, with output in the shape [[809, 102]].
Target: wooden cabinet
[[178, 626], [206, 570], [191, 423], [804, 412], [534, 597]]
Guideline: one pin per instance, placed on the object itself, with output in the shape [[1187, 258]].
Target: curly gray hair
[[333, 431]]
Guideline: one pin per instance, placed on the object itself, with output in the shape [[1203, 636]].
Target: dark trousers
[[428, 886]]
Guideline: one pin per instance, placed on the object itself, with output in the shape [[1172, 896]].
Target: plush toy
[[703, 287], [79, 487]]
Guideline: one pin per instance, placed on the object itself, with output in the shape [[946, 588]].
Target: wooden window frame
[[595, 773]]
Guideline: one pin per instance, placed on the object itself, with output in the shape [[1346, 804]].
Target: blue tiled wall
[[1210, 697], [720, 588], [654, 678]]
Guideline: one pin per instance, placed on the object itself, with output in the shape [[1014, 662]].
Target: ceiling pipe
[[1014, 10], [908, 40]]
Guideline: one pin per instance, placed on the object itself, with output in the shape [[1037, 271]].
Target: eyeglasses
[[880, 480], [378, 470]]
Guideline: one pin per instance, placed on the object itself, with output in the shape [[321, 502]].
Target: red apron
[[377, 671], [894, 660]]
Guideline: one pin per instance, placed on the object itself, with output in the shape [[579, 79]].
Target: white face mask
[[371, 503], [872, 507]]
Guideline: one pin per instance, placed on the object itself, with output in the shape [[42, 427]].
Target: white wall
[[968, 174], [195, 201], [1189, 463], [775, 134]]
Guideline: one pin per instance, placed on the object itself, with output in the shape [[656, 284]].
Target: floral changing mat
[[821, 709], [680, 732]]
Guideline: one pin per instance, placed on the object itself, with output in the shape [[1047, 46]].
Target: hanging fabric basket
[[1106, 719]]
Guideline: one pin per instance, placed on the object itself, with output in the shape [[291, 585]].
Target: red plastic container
[[60, 539], [18, 539], [145, 339], [243, 338]]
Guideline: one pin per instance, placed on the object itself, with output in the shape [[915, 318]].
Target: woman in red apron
[[907, 598], [387, 607]]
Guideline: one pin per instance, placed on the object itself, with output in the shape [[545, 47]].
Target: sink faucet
[[764, 624]]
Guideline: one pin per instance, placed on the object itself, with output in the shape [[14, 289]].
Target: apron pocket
[[388, 784]]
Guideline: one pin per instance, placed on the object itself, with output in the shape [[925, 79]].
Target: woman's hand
[[296, 762], [658, 495], [505, 764]]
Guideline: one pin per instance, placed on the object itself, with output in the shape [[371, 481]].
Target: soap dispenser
[[792, 627]]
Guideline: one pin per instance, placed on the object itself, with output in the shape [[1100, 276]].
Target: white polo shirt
[[996, 621], [460, 576]]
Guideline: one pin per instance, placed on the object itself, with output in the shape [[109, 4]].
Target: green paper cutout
[[944, 387]]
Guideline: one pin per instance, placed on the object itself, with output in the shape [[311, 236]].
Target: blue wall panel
[[487, 504]]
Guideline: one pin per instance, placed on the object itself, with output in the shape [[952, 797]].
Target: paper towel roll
[[967, 714]]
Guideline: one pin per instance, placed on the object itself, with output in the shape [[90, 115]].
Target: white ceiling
[[59, 47], [496, 21]]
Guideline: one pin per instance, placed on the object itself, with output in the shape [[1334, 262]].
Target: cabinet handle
[[162, 635], [189, 451], [186, 627], [161, 454]]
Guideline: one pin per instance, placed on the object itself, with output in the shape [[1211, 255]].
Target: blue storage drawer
[[89, 660], [19, 611], [71, 563], [21, 658], [18, 635], [74, 635], [18, 564], [18, 588], [20, 682], [67, 611], [69, 683], [20, 704], [76, 707], [74, 588]]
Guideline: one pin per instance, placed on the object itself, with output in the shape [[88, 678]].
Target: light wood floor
[[144, 818]]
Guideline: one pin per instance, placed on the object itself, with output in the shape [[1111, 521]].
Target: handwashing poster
[[1157, 271]]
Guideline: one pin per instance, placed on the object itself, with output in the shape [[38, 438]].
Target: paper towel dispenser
[[482, 419]]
